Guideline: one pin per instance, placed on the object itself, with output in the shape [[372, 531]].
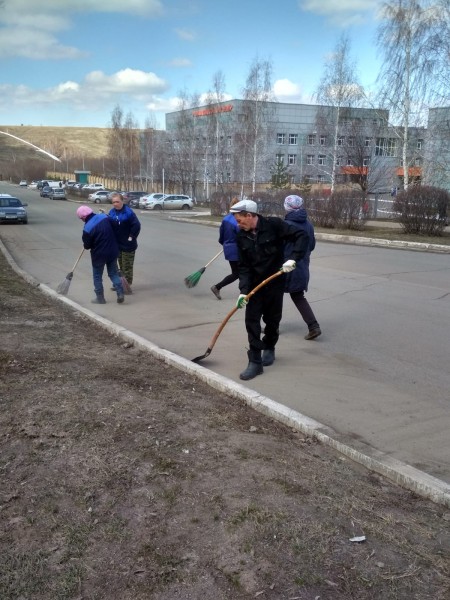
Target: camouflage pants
[[126, 262]]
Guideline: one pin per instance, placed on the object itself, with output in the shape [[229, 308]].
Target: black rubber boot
[[120, 298], [268, 357], [254, 366], [99, 299]]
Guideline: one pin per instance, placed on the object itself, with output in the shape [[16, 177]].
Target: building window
[[338, 161], [419, 144], [349, 162], [292, 159], [310, 159], [321, 159], [293, 139], [374, 122], [320, 178], [367, 142], [340, 140], [322, 140], [351, 141], [279, 159], [229, 177], [311, 139], [386, 147], [227, 157], [418, 162], [281, 138], [229, 141], [366, 162]]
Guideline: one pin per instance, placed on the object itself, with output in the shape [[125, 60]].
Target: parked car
[[23, 183], [33, 185], [45, 191], [171, 202], [144, 200], [114, 192], [57, 194], [93, 186], [99, 196], [12, 210], [132, 198]]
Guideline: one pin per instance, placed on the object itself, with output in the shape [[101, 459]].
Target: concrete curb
[[349, 239]]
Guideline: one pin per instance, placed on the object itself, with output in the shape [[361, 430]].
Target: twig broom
[[63, 287], [192, 280]]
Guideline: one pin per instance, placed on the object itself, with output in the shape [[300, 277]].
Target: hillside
[[64, 142]]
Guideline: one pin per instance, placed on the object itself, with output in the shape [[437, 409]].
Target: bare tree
[[183, 146], [406, 39], [254, 132], [338, 91], [217, 131], [123, 144]]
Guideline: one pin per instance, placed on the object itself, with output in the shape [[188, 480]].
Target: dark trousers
[[266, 304], [304, 309], [233, 276]]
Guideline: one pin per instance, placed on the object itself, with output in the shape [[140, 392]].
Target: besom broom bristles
[[191, 280], [63, 287]]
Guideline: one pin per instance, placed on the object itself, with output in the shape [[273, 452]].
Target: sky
[[71, 62]]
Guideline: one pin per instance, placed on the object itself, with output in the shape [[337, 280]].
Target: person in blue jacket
[[296, 283], [127, 227], [227, 238], [98, 237]]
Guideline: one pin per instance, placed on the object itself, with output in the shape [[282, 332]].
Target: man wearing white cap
[[261, 243]]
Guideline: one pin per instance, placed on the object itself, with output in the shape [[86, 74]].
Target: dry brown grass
[[61, 141]]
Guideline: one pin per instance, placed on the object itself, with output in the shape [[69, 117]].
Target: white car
[[145, 200], [94, 186], [23, 183], [99, 196], [171, 202]]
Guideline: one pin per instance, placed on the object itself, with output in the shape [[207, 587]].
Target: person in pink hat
[[98, 237]]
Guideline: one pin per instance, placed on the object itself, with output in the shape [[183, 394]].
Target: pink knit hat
[[293, 203], [84, 211]]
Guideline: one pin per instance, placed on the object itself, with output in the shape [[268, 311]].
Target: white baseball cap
[[245, 206]]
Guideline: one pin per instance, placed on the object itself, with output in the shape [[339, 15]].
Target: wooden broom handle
[[231, 313]]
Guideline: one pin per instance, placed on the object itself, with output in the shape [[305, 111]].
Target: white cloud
[[147, 8], [180, 62], [31, 28], [35, 45], [129, 81], [341, 12], [185, 34], [287, 91], [96, 91]]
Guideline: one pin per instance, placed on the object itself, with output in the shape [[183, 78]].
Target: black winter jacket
[[262, 254]]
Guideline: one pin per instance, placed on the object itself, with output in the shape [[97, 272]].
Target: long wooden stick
[[231, 313]]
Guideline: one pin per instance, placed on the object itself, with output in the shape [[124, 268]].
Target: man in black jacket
[[261, 254]]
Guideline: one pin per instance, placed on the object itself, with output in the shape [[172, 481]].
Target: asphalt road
[[380, 372]]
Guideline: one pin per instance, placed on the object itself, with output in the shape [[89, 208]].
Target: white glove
[[241, 301], [288, 266]]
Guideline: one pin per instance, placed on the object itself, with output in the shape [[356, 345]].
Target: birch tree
[[254, 135], [338, 91], [408, 45], [217, 129]]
